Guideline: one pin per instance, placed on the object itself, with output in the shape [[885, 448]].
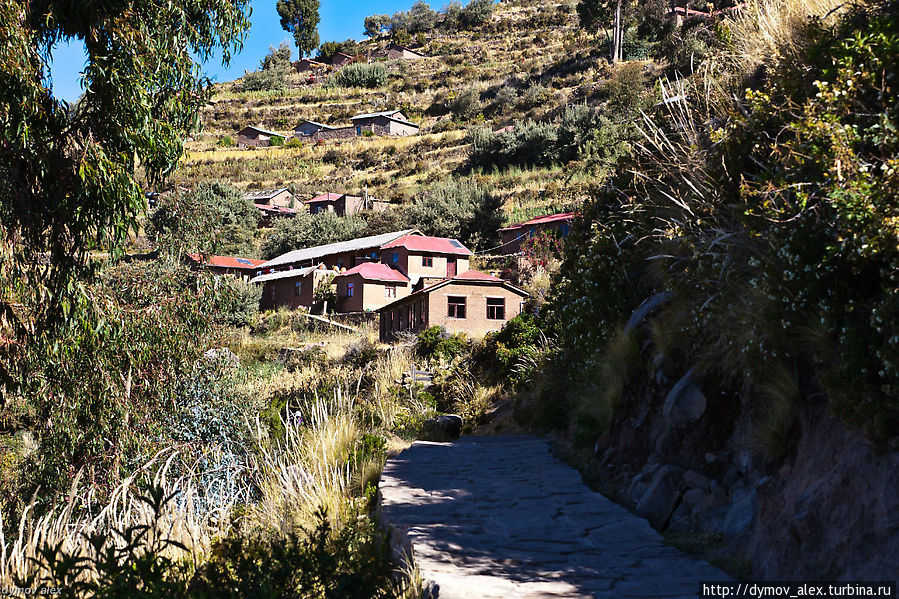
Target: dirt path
[[495, 517]]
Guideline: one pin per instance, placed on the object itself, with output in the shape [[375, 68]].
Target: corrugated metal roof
[[423, 243], [353, 245], [226, 261], [325, 197], [281, 209], [284, 274], [387, 113], [541, 220], [322, 125], [261, 130], [265, 194], [376, 271]]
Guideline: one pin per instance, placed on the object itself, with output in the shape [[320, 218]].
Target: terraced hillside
[[527, 63]]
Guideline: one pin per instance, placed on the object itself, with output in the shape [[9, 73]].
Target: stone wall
[[326, 134]]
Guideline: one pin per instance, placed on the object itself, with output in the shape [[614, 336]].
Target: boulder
[[694, 497], [661, 495], [442, 428], [649, 305], [685, 402], [695, 480], [741, 512]]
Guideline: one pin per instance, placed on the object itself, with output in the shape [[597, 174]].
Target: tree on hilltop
[[300, 17]]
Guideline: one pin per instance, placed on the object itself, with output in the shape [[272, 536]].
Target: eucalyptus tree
[[68, 172], [300, 17]]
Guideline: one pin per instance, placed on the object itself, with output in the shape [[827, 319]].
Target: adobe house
[[514, 235], [271, 197], [342, 255], [309, 128], [244, 268], [343, 204], [293, 288], [307, 65], [255, 137], [395, 51], [421, 257], [369, 286], [473, 303], [391, 122], [269, 213], [340, 59]]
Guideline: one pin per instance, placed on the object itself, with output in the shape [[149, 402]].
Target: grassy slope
[[527, 42]]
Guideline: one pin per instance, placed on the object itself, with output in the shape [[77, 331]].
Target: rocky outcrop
[[441, 429]]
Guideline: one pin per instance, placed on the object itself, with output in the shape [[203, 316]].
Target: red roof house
[[369, 286], [515, 235], [426, 257], [226, 265]]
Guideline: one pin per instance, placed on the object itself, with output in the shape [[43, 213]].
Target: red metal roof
[[326, 197], [470, 275], [541, 220], [226, 261], [475, 275], [376, 271], [424, 243]]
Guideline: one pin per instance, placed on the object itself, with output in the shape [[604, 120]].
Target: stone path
[[491, 517]]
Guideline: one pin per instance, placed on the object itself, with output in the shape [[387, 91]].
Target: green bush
[[360, 74], [276, 141], [225, 142], [435, 342], [309, 230], [460, 209]]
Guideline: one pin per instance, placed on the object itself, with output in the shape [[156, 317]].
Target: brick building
[[293, 288], [255, 137], [391, 122], [343, 204], [369, 286], [421, 257], [473, 303]]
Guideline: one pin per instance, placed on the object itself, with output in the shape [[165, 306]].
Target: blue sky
[[340, 19]]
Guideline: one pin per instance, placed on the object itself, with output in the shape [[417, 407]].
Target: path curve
[[498, 517]]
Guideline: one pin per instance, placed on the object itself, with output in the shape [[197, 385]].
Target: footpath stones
[[499, 517]]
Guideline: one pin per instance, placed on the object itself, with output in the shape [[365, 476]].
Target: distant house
[[310, 128], [506, 129], [255, 137], [472, 302], [391, 122], [307, 65], [272, 212], [369, 286], [514, 235], [343, 204], [244, 268], [340, 59], [293, 288], [271, 197], [395, 51]]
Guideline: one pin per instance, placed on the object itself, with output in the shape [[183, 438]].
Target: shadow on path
[[500, 517]]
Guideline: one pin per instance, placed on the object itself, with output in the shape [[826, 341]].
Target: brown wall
[[281, 293], [475, 323], [247, 139], [339, 133], [367, 295]]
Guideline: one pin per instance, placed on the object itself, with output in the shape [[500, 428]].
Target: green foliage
[[352, 563], [375, 25], [476, 13], [583, 133], [510, 352], [300, 17], [362, 353], [293, 142], [241, 301], [436, 343], [226, 142], [421, 18], [773, 224], [212, 219], [309, 230], [276, 141], [466, 104], [461, 209], [360, 74], [68, 171], [326, 291], [268, 80], [277, 59]]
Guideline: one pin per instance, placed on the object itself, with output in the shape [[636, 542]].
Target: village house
[[271, 197], [307, 65], [369, 286], [309, 128], [292, 288], [342, 255], [340, 59], [515, 235], [395, 51], [255, 137], [425, 259], [473, 303], [343, 204], [391, 122], [243, 268]]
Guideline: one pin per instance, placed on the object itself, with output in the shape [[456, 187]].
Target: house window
[[532, 231], [395, 257], [455, 306], [496, 308], [349, 290], [298, 289], [564, 229], [427, 261], [390, 291]]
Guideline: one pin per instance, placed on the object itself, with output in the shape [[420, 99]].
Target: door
[[450, 268]]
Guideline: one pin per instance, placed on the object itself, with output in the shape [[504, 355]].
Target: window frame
[[501, 307], [390, 291], [452, 307], [349, 289], [427, 261], [298, 288]]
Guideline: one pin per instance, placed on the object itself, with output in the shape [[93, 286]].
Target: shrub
[[476, 13], [466, 104], [270, 80], [294, 142], [435, 342], [460, 209], [225, 142], [276, 141], [308, 230], [360, 74]]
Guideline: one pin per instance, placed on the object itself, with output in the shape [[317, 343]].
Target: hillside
[[529, 62]]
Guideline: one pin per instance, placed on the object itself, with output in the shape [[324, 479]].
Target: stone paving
[[496, 517]]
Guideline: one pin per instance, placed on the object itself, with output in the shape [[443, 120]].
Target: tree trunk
[[616, 34]]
